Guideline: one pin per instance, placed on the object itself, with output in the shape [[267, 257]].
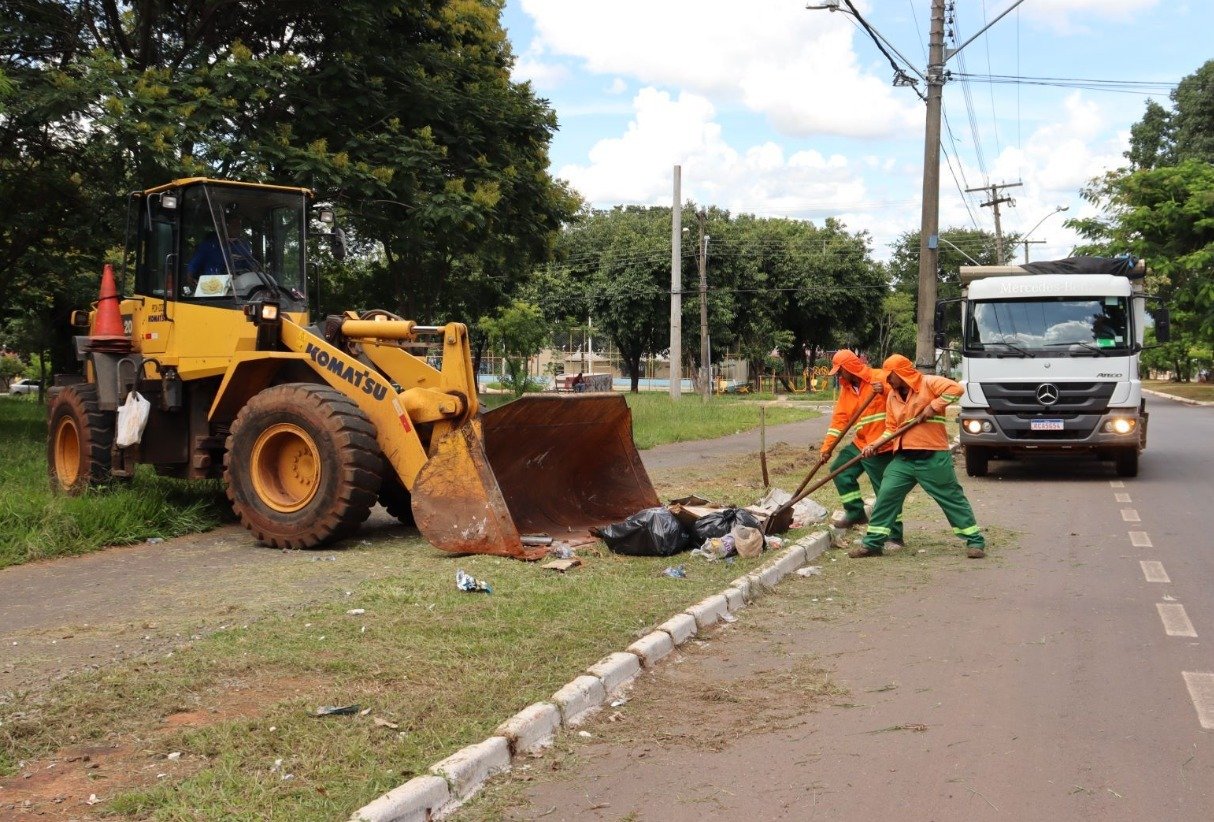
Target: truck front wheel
[[976, 459], [1127, 462], [302, 466]]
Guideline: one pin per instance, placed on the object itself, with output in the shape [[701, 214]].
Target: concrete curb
[[1185, 400], [458, 777]]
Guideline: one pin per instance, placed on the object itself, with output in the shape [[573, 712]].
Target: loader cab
[[222, 244]]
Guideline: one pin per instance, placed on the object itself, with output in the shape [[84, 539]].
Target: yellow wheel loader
[[311, 424]]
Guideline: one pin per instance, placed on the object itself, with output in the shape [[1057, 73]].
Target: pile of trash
[[710, 531]]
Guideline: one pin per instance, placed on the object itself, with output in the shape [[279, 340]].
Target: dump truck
[[308, 423], [1050, 358]]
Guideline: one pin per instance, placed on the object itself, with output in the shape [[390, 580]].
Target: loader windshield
[[242, 244]]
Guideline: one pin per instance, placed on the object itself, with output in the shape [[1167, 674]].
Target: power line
[[991, 89]]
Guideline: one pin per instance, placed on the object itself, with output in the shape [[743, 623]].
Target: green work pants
[[848, 484], [934, 474]]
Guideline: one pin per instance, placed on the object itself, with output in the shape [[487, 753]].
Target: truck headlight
[[1121, 425], [978, 426]]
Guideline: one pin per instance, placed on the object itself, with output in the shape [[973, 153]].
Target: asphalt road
[[1068, 676]]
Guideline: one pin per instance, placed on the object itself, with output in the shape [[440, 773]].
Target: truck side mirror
[[1163, 324]]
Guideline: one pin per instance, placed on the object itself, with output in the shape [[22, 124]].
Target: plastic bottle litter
[[676, 572], [470, 584]]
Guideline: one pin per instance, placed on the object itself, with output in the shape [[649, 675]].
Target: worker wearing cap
[[921, 457], [857, 382]]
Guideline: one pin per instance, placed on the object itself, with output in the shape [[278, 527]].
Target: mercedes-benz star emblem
[[1047, 394]]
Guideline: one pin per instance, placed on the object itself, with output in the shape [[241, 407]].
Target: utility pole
[[993, 188], [929, 228], [705, 354], [676, 288], [1027, 243]]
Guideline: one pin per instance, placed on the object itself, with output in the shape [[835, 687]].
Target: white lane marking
[[1175, 620], [1122, 497], [1201, 691], [1140, 539], [1154, 571], [1116, 484], [1130, 515]]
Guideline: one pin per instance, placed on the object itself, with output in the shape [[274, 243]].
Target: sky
[[777, 110]]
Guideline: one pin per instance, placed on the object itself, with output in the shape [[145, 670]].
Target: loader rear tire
[[302, 466], [395, 497], [79, 441]]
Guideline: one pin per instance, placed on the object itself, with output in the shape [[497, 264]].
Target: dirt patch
[[76, 781]]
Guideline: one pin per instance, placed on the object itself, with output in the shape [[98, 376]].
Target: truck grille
[[1073, 397]]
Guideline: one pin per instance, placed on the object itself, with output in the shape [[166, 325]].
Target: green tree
[[1151, 138], [958, 247], [404, 111], [1166, 216], [519, 331], [1193, 115]]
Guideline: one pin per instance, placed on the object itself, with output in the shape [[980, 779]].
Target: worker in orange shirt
[[857, 382], [921, 457]]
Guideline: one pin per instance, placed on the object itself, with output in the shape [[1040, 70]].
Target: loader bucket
[[550, 464]]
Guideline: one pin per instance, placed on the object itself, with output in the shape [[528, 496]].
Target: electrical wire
[[986, 40]]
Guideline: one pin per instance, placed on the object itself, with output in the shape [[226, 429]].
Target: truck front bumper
[[1116, 428]]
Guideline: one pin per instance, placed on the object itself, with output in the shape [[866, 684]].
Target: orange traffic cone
[[108, 334]]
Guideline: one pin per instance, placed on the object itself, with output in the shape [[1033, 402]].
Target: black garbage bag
[[654, 532], [720, 523]]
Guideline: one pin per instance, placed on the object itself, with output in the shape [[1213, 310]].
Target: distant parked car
[[24, 386]]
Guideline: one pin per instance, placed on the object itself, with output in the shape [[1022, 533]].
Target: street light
[[1025, 238]]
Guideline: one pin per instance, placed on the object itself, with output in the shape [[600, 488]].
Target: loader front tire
[[79, 441], [302, 466]]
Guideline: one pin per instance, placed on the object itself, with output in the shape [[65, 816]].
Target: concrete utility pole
[[929, 228], [676, 288], [1027, 243], [705, 353], [993, 188]]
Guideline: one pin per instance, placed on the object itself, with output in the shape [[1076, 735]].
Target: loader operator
[[921, 457], [857, 381], [209, 257]]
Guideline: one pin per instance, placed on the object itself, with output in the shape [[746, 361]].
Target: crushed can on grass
[[470, 584]]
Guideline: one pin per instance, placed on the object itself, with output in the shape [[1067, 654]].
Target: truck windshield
[[1062, 326]]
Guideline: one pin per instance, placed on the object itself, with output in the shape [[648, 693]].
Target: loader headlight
[[1121, 425], [262, 313]]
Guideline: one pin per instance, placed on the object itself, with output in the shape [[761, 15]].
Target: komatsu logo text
[[357, 377]]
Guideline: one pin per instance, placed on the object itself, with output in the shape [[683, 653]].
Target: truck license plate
[[1045, 425]]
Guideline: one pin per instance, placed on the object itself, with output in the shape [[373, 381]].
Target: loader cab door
[[156, 265]]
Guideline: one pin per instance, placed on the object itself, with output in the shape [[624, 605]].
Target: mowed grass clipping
[[38, 524]]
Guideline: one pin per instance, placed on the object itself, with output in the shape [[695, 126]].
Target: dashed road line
[[1130, 515], [1140, 539], [1175, 620], [1122, 497], [1154, 571], [1116, 483], [1201, 691]]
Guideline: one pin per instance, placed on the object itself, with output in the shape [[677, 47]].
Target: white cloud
[[618, 86], [771, 56], [1077, 16], [543, 75], [637, 166]]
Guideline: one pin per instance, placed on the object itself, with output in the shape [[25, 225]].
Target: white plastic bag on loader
[[132, 419]]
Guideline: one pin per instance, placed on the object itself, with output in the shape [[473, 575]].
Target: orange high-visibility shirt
[[934, 392], [869, 427]]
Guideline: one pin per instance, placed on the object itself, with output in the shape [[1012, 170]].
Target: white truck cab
[[1049, 360]]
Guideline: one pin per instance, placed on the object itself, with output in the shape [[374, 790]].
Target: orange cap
[[848, 361]]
